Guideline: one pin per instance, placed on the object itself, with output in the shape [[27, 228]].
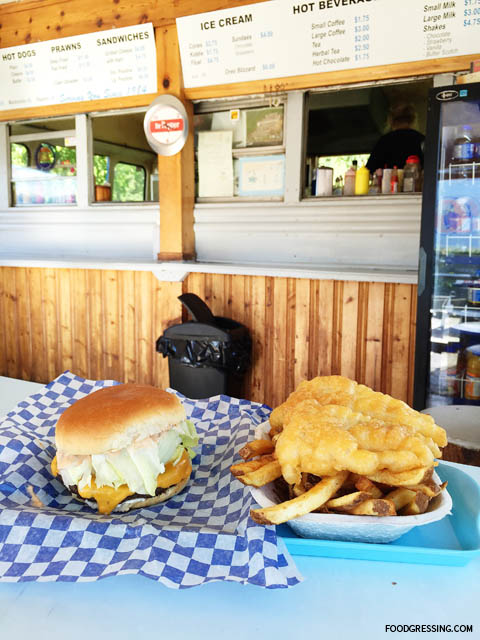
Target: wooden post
[[176, 178]]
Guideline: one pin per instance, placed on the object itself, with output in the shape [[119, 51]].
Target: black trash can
[[208, 356]]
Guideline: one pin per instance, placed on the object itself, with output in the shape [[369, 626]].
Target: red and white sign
[[163, 126]]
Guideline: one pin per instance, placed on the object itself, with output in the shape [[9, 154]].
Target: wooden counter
[[103, 323]]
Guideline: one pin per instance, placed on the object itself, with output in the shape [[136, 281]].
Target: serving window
[[44, 156], [343, 126], [43, 162], [123, 162], [240, 149]]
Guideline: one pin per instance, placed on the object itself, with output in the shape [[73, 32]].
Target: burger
[[124, 447]]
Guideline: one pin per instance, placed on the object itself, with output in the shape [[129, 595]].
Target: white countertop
[[177, 271], [338, 599]]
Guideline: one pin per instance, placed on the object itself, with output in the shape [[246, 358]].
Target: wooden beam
[[35, 21], [176, 177], [332, 78]]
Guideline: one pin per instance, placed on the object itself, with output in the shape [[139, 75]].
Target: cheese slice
[[108, 498]]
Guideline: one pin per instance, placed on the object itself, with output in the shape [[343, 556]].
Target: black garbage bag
[[208, 356]]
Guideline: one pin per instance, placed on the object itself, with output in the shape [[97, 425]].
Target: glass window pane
[[19, 155], [258, 168], [255, 127], [125, 168], [128, 183], [43, 172]]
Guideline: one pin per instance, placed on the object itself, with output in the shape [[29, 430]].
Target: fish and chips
[[336, 446]]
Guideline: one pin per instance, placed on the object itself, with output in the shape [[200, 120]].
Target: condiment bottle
[[375, 185], [386, 177], [394, 181], [349, 184], [411, 174], [362, 179]]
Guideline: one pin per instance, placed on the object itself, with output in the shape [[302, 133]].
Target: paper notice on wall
[[261, 176], [215, 166]]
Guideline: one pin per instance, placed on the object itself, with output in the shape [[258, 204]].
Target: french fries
[[305, 503], [380, 494], [266, 472], [256, 448]]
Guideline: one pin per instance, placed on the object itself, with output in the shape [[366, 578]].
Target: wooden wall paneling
[[268, 363], [128, 322], [302, 338], [95, 302], [11, 338], [3, 325], [143, 315], [217, 294], [278, 330], [23, 326], [80, 323], [36, 292], [111, 326], [372, 350], [290, 335], [50, 319], [348, 327], [401, 341], [388, 313], [256, 291], [322, 339], [167, 312], [411, 349], [64, 301]]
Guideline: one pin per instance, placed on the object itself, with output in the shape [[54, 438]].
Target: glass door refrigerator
[[447, 355]]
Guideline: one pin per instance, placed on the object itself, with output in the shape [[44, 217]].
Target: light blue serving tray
[[454, 540]]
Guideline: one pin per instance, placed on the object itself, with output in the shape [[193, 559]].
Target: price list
[[106, 64], [231, 45], [286, 38]]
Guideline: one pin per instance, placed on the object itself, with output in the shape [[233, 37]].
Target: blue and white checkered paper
[[201, 535]]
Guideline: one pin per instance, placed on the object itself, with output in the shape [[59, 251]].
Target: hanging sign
[[284, 38], [106, 64], [166, 125]]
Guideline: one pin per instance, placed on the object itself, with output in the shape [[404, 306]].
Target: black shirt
[[393, 149]]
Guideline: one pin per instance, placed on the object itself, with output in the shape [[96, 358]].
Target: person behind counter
[[393, 148]]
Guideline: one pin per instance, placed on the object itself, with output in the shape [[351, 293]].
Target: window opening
[[128, 183]]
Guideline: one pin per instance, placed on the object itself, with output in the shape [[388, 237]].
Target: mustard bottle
[[362, 181]]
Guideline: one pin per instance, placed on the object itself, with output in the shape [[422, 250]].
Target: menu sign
[[105, 64], [286, 37]]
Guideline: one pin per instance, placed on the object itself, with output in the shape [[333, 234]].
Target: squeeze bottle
[[362, 179], [349, 184]]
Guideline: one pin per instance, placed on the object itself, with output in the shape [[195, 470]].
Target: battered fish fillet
[[338, 390], [324, 440]]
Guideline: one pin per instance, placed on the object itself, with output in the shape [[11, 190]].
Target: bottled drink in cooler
[[463, 153]]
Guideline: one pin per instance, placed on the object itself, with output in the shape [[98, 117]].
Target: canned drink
[[472, 373]]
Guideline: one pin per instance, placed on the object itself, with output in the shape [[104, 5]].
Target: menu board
[[285, 38], [105, 64]]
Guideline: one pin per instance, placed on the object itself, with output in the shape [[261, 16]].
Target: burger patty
[[134, 496]]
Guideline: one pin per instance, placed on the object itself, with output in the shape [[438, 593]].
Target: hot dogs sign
[[107, 64]]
